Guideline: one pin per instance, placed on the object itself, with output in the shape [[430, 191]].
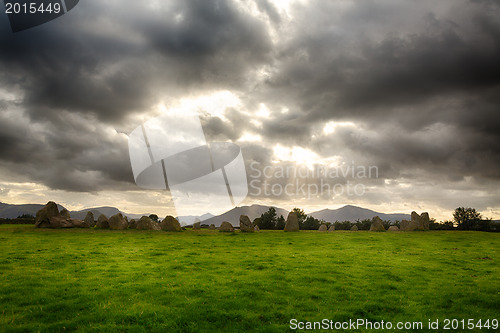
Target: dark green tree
[[154, 217], [280, 223], [466, 218], [268, 219], [345, 225], [364, 224], [311, 224]]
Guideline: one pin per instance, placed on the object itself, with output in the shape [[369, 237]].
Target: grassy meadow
[[206, 281]]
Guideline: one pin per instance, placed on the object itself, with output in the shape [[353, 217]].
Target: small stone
[[226, 227]]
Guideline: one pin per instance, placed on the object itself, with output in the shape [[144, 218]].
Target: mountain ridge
[[345, 213]]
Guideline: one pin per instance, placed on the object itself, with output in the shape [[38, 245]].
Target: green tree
[[364, 224], [280, 223], [345, 225], [466, 218], [311, 223], [154, 217], [301, 216], [268, 219]]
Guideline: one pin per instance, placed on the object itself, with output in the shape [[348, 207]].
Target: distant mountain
[[185, 220], [233, 216], [346, 213], [353, 213], [108, 211], [8, 211]]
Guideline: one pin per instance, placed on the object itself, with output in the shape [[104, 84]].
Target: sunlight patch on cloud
[[331, 126], [249, 137], [215, 104]]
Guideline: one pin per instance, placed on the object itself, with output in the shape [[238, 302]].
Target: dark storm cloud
[[400, 70], [88, 71], [64, 67], [75, 153]]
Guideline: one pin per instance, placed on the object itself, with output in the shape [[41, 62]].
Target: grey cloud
[[419, 80]]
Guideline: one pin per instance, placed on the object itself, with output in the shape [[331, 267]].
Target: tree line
[[463, 219]]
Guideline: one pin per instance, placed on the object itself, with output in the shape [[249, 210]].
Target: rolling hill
[[233, 216], [353, 213]]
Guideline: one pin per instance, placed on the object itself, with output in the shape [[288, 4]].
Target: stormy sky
[[409, 87]]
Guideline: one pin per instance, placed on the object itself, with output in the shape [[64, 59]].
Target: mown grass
[[98, 280]]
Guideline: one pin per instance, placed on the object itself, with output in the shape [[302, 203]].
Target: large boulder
[[332, 228], [49, 217], [393, 228], [132, 224], [197, 226], [245, 224], [42, 219], [377, 224], [117, 222], [170, 223], [292, 224], [89, 219], [146, 223], [212, 227], [418, 222], [404, 225], [102, 222], [323, 228], [226, 227], [78, 223], [354, 228], [65, 213]]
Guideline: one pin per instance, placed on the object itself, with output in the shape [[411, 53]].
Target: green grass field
[[100, 280]]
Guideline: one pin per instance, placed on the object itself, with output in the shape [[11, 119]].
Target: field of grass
[[195, 281]]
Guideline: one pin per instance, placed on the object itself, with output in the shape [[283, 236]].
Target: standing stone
[[332, 228], [89, 219], [292, 223], [245, 224], [65, 213], [132, 224], [226, 227], [404, 225], [256, 229], [197, 226], [42, 219], [212, 227], [417, 222], [377, 224], [425, 221], [323, 228], [146, 223], [354, 228], [117, 222], [393, 228], [170, 223], [102, 222]]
